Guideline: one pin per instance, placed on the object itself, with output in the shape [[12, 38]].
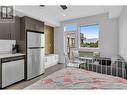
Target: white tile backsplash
[[6, 46]]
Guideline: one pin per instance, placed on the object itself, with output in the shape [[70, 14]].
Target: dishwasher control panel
[[9, 59]]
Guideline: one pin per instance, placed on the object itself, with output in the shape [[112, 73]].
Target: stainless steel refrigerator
[[35, 54]]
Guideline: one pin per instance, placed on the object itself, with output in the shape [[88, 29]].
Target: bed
[[74, 78]]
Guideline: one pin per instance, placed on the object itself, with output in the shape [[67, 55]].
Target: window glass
[[89, 36], [70, 28]]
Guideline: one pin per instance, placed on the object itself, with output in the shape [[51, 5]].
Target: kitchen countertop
[[10, 55]]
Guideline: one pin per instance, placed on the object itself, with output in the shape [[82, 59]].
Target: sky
[[70, 28], [90, 31]]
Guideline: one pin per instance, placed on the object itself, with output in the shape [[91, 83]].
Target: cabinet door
[[33, 24], [48, 61], [56, 58], [30, 23], [45, 62], [12, 72], [14, 29], [39, 26], [4, 31]]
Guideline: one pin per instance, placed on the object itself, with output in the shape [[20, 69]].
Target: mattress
[[74, 78]]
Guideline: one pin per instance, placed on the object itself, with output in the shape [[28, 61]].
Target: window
[[70, 38], [89, 36], [70, 28]]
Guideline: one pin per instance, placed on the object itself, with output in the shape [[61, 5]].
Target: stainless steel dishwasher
[[11, 70]]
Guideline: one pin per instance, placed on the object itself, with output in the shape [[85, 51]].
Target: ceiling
[[53, 15]]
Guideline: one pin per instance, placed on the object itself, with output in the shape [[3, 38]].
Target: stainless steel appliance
[[12, 69], [35, 54]]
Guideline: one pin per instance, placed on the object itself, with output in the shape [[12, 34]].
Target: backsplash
[[6, 46]]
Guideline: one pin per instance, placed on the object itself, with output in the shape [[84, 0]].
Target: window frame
[[79, 45]]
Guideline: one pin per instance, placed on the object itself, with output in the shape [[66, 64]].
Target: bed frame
[[106, 66]]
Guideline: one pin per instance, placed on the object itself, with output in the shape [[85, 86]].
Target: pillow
[[96, 63], [117, 61]]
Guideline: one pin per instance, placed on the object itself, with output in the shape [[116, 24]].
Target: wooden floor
[[24, 84]]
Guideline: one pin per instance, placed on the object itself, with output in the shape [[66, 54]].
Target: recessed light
[[64, 15]]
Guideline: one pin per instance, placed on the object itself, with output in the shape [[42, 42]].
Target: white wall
[[59, 43], [6, 46], [108, 34], [123, 34]]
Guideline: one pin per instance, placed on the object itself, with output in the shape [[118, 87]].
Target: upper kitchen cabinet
[[4, 31], [15, 29], [10, 31], [28, 23]]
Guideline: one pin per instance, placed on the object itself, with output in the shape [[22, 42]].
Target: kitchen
[[26, 50]]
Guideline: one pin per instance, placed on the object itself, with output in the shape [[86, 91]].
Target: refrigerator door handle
[[35, 47]]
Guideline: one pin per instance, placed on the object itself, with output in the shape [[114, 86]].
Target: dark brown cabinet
[[28, 23], [10, 31], [14, 29], [4, 31], [33, 24], [17, 29], [39, 26]]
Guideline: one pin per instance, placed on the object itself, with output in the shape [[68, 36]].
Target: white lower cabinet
[[51, 60], [12, 72]]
